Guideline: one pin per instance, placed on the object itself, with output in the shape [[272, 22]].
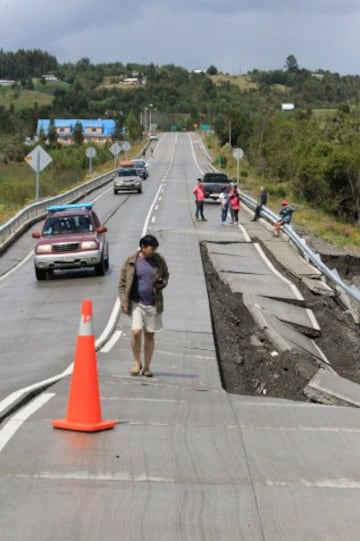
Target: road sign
[[126, 147], [90, 152], [38, 159], [115, 148], [238, 153]]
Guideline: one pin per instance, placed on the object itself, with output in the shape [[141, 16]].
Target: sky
[[235, 36]]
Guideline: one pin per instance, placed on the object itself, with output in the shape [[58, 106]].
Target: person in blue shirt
[[143, 277], [286, 213]]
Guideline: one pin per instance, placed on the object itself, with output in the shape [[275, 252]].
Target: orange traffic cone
[[83, 410]]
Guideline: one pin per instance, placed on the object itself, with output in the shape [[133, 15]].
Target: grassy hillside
[[243, 82], [21, 98]]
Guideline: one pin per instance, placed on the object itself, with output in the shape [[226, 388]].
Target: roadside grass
[[17, 182], [309, 220]]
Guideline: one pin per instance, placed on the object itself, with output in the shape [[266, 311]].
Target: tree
[[291, 64], [78, 135], [212, 70], [52, 134], [133, 126]]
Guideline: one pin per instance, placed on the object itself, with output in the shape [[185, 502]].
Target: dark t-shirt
[[142, 290]]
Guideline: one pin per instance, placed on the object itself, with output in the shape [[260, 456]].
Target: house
[[132, 81], [287, 106], [7, 82], [94, 131], [49, 77]]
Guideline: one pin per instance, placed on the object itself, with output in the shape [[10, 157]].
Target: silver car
[[142, 167], [127, 179]]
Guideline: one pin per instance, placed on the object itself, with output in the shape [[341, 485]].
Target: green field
[[19, 98]]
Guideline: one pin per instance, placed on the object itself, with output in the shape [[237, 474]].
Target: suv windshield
[[215, 177], [127, 172], [67, 224]]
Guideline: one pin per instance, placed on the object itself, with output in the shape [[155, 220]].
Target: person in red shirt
[[199, 193], [234, 201]]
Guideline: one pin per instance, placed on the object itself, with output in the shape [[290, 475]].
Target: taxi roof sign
[[59, 208]]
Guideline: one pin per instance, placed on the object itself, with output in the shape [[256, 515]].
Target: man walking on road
[[142, 278], [199, 193]]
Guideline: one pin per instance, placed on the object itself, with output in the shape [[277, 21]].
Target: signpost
[[38, 159], [126, 147], [90, 153], [115, 150], [238, 154]]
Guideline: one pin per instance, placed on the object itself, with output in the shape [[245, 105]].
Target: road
[[186, 460]]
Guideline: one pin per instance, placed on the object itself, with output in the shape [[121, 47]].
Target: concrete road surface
[[185, 460]]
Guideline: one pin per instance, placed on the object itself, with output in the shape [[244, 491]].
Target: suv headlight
[[43, 249], [89, 245]]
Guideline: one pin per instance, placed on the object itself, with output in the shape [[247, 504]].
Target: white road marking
[[15, 422], [245, 233], [275, 271], [17, 266]]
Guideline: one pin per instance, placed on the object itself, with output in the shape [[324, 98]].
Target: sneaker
[[135, 369]]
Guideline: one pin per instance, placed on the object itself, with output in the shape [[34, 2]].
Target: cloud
[[234, 35]]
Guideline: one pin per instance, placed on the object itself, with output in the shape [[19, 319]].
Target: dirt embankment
[[249, 363]]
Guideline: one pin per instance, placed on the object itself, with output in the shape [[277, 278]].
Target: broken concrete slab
[[318, 286], [285, 311], [329, 388], [282, 335]]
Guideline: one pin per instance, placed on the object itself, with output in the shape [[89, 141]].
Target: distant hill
[[22, 98]]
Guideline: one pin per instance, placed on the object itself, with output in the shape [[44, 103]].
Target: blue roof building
[[96, 131]]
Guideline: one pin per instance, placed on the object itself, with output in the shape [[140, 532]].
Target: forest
[[313, 148]]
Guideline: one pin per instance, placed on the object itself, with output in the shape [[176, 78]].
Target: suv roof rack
[[58, 208]]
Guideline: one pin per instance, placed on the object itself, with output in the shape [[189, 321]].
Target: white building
[[287, 106]]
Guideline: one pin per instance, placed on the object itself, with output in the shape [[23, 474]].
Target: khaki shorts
[[145, 317]]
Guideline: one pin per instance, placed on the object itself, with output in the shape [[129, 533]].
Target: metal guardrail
[[14, 227], [34, 212], [302, 246]]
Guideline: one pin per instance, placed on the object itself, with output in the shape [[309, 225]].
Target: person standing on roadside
[[199, 192], [143, 276], [261, 202], [234, 203], [224, 204]]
